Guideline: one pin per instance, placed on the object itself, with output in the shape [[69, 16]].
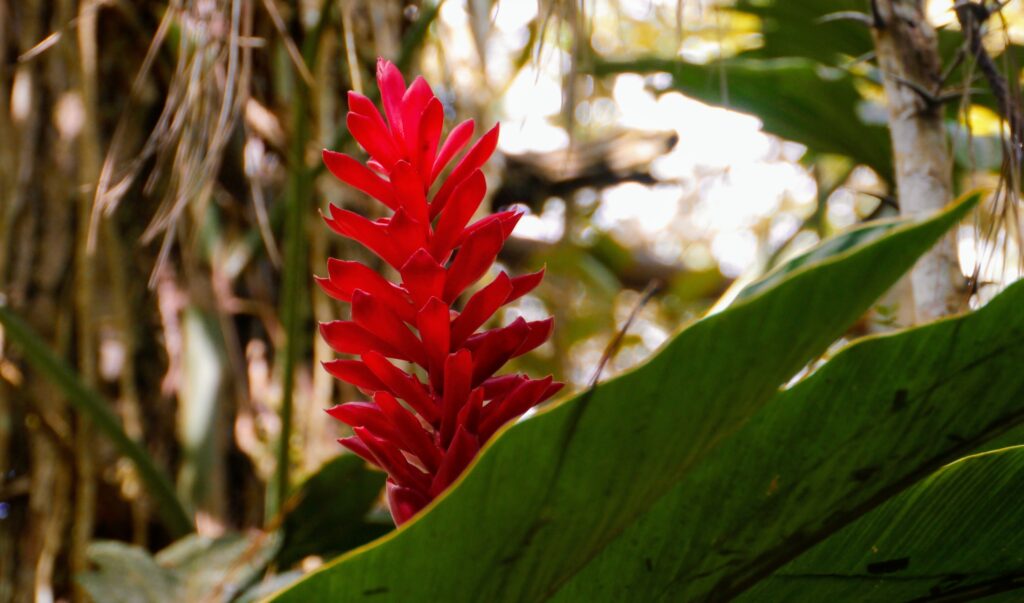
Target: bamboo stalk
[[85, 288], [293, 280]]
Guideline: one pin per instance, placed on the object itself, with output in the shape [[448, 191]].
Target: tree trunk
[[907, 53]]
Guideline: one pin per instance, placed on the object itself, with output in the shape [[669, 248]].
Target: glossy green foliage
[[877, 417], [952, 537], [554, 493]]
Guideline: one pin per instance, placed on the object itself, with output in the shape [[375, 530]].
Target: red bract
[[455, 403]]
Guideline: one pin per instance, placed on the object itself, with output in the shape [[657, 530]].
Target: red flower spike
[[434, 324], [345, 277], [392, 460], [423, 277], [465, 201], [356, 414], [461, 452], [477, 155], [370, 135], [375, 318], [521, 285], [354, 372], [431, 124], [409, 188], [357, 175], [520, 400], [424, 434], [474, 258], [506, 220], [347, 337], [458, 372], [415, 437], [481, 306], [499, 387], [357, 446], [458, 138], [404, 502]]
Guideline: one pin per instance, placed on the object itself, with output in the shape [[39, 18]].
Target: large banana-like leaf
[[859, 235], [881, 414], [953, 537], [551, 493]]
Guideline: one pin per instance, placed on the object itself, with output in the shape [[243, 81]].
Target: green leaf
[[880, 415], [552, 492], [90, 404], [859, 235], [954, 536], [835, 245], [327, 515], [794, 28]]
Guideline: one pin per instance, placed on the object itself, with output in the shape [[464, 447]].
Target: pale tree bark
[[907, 52]]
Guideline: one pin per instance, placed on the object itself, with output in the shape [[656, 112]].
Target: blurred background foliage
[[159, 187]]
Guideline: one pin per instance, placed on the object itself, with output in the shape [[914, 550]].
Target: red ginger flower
[[427, 442]]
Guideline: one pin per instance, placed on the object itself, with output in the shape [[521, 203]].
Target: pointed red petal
[[377, 142], [464, 447], [414, 102], [385, 326], [499, 387], [402, 384], [354, 372], [431, 123], [406, 235], [357, 446], [477, 155], [404, 502], [457, 139], [480, 307], [473, 260], [372, 234], [506, 220], [414, 437], [423, 277], [391, 459], [492, 349], [521, 285], [464, 202], [540, 330], [361, 104], [344, 277], [364, 414], [469, 416], [392, 89], [552, 389], [357, 175], [520, 400], [434, 326], [347, 337], [458, 371], [411, 194]]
